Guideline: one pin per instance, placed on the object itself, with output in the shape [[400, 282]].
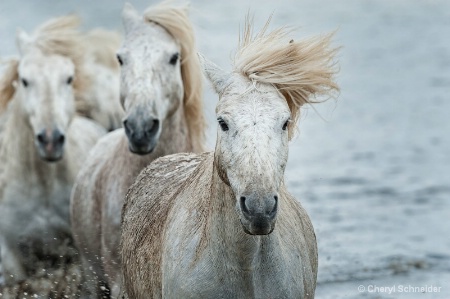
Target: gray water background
[[372, 167]]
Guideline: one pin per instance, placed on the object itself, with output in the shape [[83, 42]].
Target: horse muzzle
[[258, 217], [142, 136], [50, 145]]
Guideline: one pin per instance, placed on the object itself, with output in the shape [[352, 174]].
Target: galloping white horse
[[161, 91], [43, 146], [222, 224]]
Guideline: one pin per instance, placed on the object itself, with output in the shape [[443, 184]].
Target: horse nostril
[[274, 210], [61, 139], [58, 137], [126, 126], [154, 126], [41, 138], [244, 208]]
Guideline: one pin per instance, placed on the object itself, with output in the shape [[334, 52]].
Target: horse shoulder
[[89, 172], [146, 209], [162, 173], [86, 197], [93, 187]]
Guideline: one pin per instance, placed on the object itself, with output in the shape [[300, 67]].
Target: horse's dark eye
[[174, 58], [119, 59], [70, 80], [223, 125], [285, 125], [24, 82]]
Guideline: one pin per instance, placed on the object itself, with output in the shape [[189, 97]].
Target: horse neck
[[240, 249], [175, 135], [18, 149]]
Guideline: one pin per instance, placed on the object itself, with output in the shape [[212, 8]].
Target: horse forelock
[[176, 21], [61, 36], [300, 70]]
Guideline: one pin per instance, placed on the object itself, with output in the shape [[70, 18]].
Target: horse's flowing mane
[[102, 46], [175, 20], [7, 89], [300, 70]]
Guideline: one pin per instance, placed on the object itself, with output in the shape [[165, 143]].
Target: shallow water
[[374, 175]]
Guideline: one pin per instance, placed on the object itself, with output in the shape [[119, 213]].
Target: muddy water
[[371, 168]]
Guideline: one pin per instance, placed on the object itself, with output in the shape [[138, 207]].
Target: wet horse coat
[[222, 224], [164, 115]]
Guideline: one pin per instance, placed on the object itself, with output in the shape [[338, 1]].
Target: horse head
[[151, 82]]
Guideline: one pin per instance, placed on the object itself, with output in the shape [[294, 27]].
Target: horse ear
[[218, 77], [23, 40], [130, 16]]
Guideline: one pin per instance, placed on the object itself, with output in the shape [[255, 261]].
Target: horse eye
[[174, 58], [223, 125], [285, 125], [69, 80], [24, 82], [119, 59]]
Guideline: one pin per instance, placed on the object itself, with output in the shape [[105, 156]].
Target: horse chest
[[218, 277]]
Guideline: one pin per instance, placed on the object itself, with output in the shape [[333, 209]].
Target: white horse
[[98, 97], [43, 146], [222, 224], [161, 90], [101, 100]]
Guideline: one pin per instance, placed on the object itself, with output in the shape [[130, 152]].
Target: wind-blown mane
[[61, 36], [7, 89], [102, 45], [175, 20], [300, 70]]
